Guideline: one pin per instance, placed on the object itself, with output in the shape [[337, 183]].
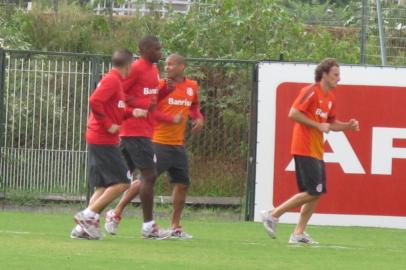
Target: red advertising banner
[[366, 170]]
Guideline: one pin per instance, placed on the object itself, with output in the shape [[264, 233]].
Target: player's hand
[[139, 113], [197, 125], [114, 129], [353, 125], [324, 127], [178, 118], [170, 84]]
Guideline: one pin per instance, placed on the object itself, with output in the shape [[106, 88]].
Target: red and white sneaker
[[180, 234], [78, 233], [155, 233], [90, 225], [112, 222]]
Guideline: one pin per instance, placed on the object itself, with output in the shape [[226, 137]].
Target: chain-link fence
[[361, 18], [45, 106], [393, 21]]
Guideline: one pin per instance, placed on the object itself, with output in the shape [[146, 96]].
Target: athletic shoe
[[155, 233], [269, 223], [302, 239], [180, 234], [90, 225], [112, 222], [75, 234]]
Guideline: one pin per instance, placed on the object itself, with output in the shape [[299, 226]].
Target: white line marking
[[14, 232]]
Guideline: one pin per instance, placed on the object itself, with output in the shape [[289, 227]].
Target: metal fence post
[[94, 79], [2, 120], [381, 33], [252, 160], [364, 21]]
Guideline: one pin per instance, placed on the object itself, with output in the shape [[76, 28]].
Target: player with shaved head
[[178, 99]]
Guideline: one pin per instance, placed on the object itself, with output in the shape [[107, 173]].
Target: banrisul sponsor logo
[[150, 91], [179, 102]]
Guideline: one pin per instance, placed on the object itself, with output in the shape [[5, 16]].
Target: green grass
[[40, 241]]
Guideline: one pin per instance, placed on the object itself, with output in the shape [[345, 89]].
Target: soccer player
[[178, 98], [141, 91], [108, 172], [314, 113]]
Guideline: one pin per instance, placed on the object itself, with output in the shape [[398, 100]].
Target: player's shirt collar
[[116, 73], [145, 61]]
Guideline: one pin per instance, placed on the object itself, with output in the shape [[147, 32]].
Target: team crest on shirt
[[189, 91], [330, 104], [121, 104]]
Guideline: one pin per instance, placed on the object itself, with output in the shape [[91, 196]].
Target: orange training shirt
[[320, 107], [180, 100]]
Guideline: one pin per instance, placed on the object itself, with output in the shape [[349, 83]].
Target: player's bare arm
[[139, 113], [113, 129], [178, 118], [197, 125], [298, 116], [352, 125]]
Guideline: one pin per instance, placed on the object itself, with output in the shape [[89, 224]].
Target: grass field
[[41, 241]]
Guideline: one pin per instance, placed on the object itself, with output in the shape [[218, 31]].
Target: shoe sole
[[264, 222], [79, 238], [156, 238], [181, 238], [90, 237], [272, 235], [303, 243], [109, 232]]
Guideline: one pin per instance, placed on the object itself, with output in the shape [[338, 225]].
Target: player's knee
[[149, 175], [313, 196], [182, 187], [124, 186]]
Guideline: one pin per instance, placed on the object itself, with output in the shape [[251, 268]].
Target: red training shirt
[[141, 90], [107, 107]]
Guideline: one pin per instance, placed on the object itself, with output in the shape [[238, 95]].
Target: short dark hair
[[324, 66], [121, 58], [146, 42]]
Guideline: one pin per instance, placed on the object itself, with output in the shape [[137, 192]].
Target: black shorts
[[106, 166], [172, 159], [138, 153], [310, 175]]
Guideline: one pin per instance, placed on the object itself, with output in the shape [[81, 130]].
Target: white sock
[[148, 225], [89, 213], [79, 228]]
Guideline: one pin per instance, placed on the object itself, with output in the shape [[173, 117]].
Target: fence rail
[[44, 111]]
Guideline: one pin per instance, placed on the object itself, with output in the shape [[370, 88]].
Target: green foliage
[[11, 35], [244, 29], [327, 13]]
